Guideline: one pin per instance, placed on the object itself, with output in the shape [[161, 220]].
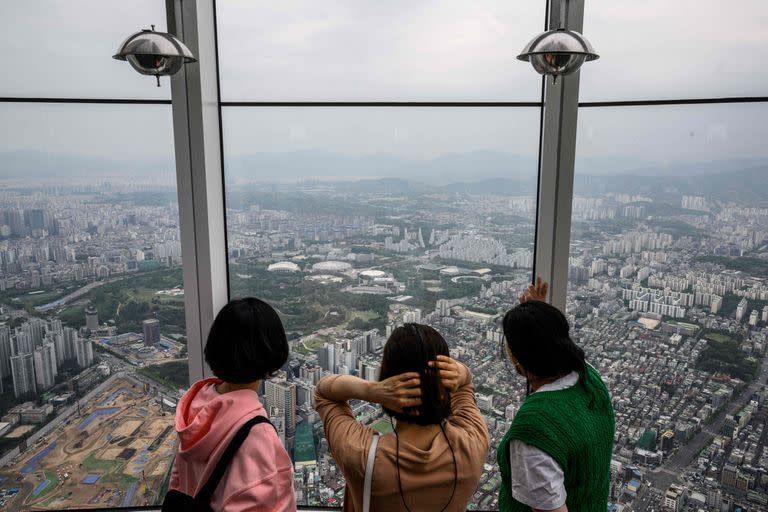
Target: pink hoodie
[[260, 477]]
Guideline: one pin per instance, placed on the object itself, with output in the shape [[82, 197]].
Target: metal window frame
[[557, 158], [199, 169]]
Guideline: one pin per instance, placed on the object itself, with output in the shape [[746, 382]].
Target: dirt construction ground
[[117, 452]]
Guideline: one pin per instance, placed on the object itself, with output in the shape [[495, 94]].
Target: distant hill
[[747, 186], [37, 164], [479, 172]]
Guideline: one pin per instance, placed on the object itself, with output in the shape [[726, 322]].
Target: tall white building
[[753, 317], [715, 304], [23, 372], [45, 366], [84, 352], [277, 417], [70, 339], [5, 350], [741, 309], [282, 395]]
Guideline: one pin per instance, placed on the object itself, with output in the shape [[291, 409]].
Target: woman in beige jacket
[[433, 459]]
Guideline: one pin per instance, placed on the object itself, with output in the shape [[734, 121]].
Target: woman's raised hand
[[452, 373], [536, 291], [398, 392]]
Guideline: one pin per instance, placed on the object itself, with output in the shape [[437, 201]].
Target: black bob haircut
[[537, 334], [247, 342], [409, 349]]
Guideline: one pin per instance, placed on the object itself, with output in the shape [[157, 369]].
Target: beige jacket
[[426, 475]]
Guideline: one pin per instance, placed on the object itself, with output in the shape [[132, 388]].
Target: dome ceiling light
[[558, 52], [154, 53]]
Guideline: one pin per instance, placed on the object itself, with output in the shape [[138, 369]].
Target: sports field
[[117, 452]]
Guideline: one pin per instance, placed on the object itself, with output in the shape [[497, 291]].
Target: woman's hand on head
[[398, 392], [452, 373], [536, 291]]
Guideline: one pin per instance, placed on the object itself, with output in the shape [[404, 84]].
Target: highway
[[671, 470]]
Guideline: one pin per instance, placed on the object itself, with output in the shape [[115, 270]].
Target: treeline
[[727, 357]]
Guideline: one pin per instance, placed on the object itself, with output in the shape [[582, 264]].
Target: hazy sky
[[397, 50]]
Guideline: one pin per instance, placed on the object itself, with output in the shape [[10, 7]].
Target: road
[[671, 470], [76, 294]]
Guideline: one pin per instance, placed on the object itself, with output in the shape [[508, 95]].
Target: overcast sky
[[396, 50]]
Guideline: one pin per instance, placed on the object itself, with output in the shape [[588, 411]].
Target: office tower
[[282, 395], [765, 314], [84, 352], [91, 318], [45, 366], [151, 331], [509, 412], [753, 318], [23, 372]]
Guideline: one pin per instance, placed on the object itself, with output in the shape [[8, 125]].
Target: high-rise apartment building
[[23, 372], [281, 394], [741, 309], [84, 352], [45, 366]]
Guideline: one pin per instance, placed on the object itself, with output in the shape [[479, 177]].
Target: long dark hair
[[538, 337], [409, 349]]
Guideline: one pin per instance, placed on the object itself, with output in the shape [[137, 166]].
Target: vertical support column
[[558, 150], [197, 136]]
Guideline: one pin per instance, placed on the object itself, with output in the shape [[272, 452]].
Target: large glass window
[[62, 49], [352, 221], [668, 295], [656, 49], [92, 328], [446, 50]]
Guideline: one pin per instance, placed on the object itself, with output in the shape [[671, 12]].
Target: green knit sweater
[[575, 427]]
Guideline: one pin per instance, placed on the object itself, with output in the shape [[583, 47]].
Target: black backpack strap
[[206, 493]]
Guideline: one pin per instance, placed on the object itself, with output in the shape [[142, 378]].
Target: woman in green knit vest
[[556, 455]]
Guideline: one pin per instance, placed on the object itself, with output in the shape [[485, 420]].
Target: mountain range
[[480, 172]]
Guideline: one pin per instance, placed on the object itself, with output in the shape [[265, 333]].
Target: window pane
[[92, 329], [51, 48], [668, 295], [351, 221], [658, 49], [350, 50]]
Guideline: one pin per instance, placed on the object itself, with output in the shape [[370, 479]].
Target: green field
[[173, 375], [719, 337], [91, 463], [382, 427], [129, 301]]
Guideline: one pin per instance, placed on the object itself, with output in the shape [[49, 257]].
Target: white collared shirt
[[537, 480]]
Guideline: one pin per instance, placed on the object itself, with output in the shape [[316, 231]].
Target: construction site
[[115, 451]]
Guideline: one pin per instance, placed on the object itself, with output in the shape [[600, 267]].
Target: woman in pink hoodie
[[246, 344]]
